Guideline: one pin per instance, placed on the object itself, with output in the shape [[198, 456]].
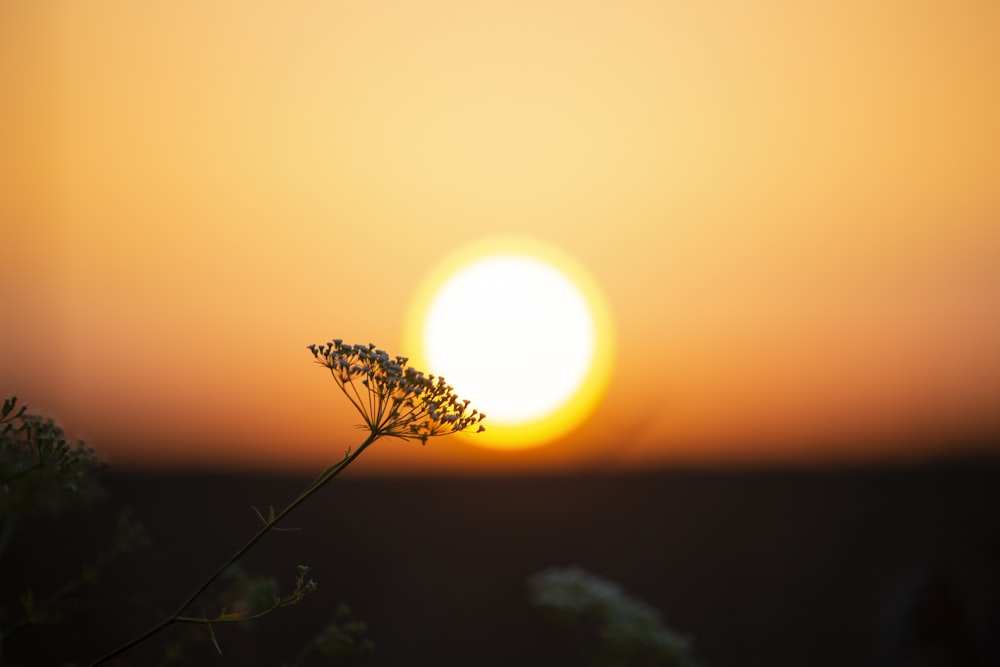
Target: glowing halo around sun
[[521, 330]]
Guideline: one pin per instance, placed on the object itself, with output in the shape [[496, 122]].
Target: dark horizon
[[931, 448], [781, 567]]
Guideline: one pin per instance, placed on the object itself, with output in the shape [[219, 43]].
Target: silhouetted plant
[[394, 401], [611, 628], [250, 599], [44, 473], [238, 599]]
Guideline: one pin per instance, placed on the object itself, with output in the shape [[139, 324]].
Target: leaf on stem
[[270, 519], [215, 642]]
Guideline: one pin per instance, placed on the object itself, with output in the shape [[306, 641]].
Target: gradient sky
[[793, 210]]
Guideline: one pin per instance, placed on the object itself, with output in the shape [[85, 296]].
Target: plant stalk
[[175, 617]]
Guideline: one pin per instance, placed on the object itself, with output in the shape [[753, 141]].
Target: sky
[[792, 210]]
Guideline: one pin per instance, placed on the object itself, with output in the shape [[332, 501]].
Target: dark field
[[873, 566]]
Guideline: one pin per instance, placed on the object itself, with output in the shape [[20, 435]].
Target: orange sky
[[793, 211]]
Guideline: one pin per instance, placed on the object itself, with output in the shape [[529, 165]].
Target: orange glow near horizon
[[792, 210]]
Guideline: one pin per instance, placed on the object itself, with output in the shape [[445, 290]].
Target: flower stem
[[177, 615]]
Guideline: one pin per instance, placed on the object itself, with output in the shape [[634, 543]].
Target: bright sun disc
[[519, 329]]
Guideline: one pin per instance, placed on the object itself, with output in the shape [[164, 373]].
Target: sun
[[521, 330]]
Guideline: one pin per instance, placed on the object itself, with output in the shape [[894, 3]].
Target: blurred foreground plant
[[612, 628], [45, 473], [343, 635], [394, 401], [42, 471]]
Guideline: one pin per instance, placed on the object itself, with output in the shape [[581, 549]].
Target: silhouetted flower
[[394, 399]]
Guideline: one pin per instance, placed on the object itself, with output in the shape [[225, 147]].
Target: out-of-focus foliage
[[42, 471], [612, 629], [344, 635]]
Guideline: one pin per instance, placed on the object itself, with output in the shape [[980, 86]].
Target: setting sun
[[519, 329]]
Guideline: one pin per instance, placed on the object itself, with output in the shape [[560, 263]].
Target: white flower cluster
[[394, 399]]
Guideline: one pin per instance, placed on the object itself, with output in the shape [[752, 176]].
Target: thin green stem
[[178, 614]]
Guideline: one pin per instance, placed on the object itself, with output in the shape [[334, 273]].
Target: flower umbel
[[394, 399]]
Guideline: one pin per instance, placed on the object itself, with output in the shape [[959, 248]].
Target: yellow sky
[[793, 209]]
